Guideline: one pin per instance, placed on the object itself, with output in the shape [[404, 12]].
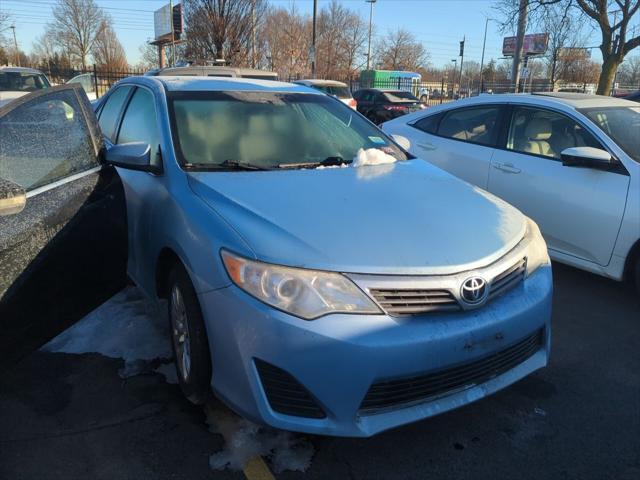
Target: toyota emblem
[[474, 290]]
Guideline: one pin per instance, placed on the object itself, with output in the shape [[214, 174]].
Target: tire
[[188, 338]]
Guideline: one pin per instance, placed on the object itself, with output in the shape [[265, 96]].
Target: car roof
[[319, 81], [194, 84], [549, 99], [211, 69], [20, 69]]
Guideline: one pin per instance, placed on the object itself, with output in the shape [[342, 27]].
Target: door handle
[[426, 146], [506, 167]]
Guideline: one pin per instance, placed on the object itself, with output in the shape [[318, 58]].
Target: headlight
[[307, 294], [536, 249]]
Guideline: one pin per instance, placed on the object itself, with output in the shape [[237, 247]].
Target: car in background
[[213, 71], [235, 219], [382, 105], [569, 161], [331, 87], [634, 97], [18, 81], [63, 229], [87, 82]]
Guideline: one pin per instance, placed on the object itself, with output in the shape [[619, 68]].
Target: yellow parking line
[[256, 469]]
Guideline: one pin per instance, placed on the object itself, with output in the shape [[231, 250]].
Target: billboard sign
[[534, 44], [163, 19]]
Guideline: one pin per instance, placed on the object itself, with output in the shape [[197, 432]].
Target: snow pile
[[372, 156], [126, 326], [245, 440]]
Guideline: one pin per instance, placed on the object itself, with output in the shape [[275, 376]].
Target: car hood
[[403, 218]]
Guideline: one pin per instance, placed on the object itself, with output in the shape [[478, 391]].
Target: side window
[[546, 133], [428, 124], [474, 125], [139, 123], [111, 110], [45, 140]]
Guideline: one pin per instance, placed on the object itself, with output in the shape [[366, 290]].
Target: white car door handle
[[506, 167], [427, 146]]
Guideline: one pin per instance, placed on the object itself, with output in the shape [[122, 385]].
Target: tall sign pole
[[518, 54], [484, 44], [370, 2]]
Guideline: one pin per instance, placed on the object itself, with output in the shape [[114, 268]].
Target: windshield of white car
[[621, 124], [335, 90], [22, 82], [268, 130]]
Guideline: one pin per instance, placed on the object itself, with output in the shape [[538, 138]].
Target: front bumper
[[338, 357]]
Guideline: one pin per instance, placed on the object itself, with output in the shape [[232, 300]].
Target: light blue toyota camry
[[307, 290]]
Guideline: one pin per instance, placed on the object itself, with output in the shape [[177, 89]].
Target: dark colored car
[[63, 241], [634, 97], [382, 105]]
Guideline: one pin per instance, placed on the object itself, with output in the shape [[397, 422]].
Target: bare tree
[[400, 50], [286, 41], [77, 24], [107, 50], [225, 29], [629, 73]]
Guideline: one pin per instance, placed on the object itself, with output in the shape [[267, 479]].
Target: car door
[[579, 210], [460, 141], [64, 252]]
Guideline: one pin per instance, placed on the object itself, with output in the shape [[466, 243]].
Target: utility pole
[[461, 60], [370, 2], [523, 10], [484, 44], [173, 35], [313, 40], [15, 44]]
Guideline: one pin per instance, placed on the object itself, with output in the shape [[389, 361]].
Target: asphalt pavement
[[66, 416]]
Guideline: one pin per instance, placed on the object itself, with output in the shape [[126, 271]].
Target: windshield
[[335, 90], [621, 124], [22, 82], [268, 130], [400, 96]]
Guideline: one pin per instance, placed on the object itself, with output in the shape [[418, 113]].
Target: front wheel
[[189, 338]]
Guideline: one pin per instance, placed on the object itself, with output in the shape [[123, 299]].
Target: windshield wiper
[[226, 165], [327, 162]]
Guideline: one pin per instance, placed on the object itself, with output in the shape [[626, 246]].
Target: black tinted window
[[475, 125], [139, 123], [110, 111], [428, 124], [45, 140]]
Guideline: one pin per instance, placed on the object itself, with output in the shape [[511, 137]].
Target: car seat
[[538, 132]]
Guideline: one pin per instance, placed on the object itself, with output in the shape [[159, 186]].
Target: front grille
[[405, 302], [508, 279], [398, 302], [406, 391], [285, 394]]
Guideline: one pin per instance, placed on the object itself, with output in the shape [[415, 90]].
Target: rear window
[[22, 82], [400, 96], [336, 91]]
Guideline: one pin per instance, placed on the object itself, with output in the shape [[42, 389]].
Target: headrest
[[538, 129]]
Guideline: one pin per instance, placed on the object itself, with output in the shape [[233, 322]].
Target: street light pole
[[484, 44], [453, 76], [15, 44], [313, 40], [370, 2]]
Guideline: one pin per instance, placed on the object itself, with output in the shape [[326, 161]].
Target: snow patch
[[372, 156], [126, 326], [245, 440]]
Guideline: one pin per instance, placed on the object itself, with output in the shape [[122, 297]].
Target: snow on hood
[[403, 218], [372, 156]]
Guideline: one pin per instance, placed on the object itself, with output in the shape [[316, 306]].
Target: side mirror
[[588, 157], [132, 156], [402, 141], [13, 198]]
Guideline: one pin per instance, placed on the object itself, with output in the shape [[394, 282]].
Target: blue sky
[[439, 24]]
